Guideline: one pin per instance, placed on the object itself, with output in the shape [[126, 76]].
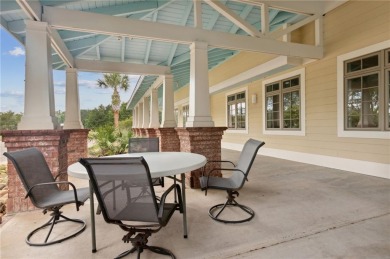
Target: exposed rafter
[[149, 44]]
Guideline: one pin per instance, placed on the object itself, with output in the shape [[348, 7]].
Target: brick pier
[[60, 149]]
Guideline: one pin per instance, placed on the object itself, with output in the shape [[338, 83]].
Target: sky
[[12, 75]]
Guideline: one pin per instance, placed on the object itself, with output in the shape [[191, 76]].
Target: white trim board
[[351, 165]]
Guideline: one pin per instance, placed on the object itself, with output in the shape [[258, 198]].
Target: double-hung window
[[283, 104], [366, 92], [236, 111]]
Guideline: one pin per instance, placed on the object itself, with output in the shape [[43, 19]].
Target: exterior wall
[[354, 25]]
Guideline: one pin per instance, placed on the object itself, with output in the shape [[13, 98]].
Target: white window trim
[[242, 131], [341, 132], [302, 130]]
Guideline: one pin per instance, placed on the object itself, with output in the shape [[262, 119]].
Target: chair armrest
[[216, 161], [164, 196], [58, 175], [52, 183], [220, 161]]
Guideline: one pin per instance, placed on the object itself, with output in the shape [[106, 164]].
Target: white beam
[[280, 33], [264, 19], [319, 37], [247, 10], [124, 68], [61, 49], [287, 36], [197, 14], [109, 25], [234, 18], [32, 9], [273, 66]]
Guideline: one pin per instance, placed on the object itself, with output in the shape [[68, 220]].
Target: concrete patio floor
[[302, 211]]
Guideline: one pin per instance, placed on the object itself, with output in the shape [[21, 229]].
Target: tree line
[[91, 119]]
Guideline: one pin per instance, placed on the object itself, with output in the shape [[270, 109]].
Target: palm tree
[[115, 81]]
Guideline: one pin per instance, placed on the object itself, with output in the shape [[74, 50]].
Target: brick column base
[[77, 145], [54, 145], [168, 139], [136, 132], [151, 133], [202, 140]]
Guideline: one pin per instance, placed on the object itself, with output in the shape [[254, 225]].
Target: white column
[[199, 98], [140, 115], [39, 108], [286, 37], [135, 116], [146, 108], [72, 108], [154, 120], [168, 114]]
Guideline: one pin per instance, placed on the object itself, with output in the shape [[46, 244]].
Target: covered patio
[[302, 211]]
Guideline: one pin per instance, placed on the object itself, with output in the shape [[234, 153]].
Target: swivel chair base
[[55, 219], [139, 243], [216, 210]]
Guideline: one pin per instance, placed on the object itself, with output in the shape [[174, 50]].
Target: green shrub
[[109, 141]]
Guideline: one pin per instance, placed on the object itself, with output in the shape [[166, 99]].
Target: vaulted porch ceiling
[[152, 37]]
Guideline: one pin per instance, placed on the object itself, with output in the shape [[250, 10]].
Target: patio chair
[[140, 145], [239, 173], [131, 202], [43, 190]]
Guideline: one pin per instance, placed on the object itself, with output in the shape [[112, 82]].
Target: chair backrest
[[123, 188], [138, 145], [247, 156], [32, 169]]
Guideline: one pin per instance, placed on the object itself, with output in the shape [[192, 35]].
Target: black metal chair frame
[[56, 214], [232, 192], [137, 234]]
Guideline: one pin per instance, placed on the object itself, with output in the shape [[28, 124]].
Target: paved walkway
[[302, 211]]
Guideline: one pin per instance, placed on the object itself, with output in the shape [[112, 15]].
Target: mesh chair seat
[[233, 183], [139, 213], [218, 183], [62, 198], [44, 192]]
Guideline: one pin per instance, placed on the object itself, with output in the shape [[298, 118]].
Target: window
[[236, 111], [283, 104], [363, 92], [185, 114], [366, 92]]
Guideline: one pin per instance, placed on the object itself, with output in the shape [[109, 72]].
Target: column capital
[[36, 25]]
